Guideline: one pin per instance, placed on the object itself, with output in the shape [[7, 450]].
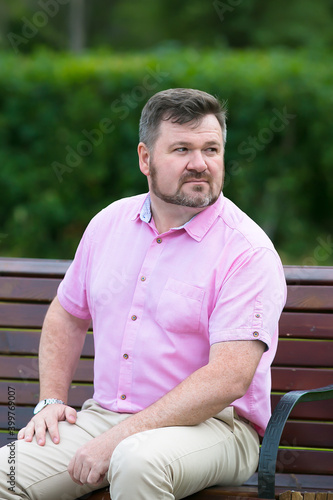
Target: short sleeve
[[250, 300], [72, 291]]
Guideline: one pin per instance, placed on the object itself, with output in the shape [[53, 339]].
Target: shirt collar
[[196, 227], [145, 212]]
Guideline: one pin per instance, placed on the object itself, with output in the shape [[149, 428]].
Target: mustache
[[197, 176]]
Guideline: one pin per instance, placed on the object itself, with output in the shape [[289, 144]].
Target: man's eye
[[181, 150], [211, 150]]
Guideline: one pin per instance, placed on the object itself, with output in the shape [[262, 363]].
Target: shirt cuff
[[241, 334]]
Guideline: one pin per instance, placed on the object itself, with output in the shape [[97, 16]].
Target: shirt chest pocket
[[179, 307]]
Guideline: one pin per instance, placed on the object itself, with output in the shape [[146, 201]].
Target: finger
[[70, 414], [90, 473], [74, 470], [21, 433], [94, 478], [84, 473], [29, 431], [39, 430], [52, 426]]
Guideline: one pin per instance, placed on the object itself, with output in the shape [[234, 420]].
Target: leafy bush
[[69, 131]]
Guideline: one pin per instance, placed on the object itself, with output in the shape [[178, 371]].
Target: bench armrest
[[271, 440]]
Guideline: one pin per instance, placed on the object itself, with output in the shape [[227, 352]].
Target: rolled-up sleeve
[[250, 299]]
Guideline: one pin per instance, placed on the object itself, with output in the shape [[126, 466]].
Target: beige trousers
[[168, 463]]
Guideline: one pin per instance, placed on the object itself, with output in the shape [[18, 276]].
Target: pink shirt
[[159, 301]]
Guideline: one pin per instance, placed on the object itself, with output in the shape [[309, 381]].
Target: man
[[185, 293]]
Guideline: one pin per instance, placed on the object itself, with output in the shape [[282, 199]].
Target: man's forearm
[[60, 348]]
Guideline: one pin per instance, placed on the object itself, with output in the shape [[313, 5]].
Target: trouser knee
[[136, 467]]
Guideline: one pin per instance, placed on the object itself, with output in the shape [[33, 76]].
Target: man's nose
[[197, 162]]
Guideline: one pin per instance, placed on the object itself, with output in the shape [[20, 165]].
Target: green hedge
[[68, 137]]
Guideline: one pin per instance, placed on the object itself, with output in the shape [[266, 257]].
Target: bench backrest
[[303, 360]]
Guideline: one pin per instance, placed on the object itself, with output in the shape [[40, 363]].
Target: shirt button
[[125, 356], [257, 315], [134, 318], [255, 334], [159, 240], [123, 396], [143, 278]]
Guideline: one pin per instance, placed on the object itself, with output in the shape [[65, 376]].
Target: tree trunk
[[77, 32]]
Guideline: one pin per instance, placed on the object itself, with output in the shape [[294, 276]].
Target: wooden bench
[[303, 361]]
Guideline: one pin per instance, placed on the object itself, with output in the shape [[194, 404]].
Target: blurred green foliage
[[142, 24], [69, 132]]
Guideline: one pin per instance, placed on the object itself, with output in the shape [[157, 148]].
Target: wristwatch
[[45, 402]]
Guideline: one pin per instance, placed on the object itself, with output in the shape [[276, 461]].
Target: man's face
[[186, 167]]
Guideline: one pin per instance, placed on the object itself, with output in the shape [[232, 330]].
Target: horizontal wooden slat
[[33, 267], [305, 275], [292, 379], [308, 434], [310, 298], [314, 410], [26, 342], [306, 325], [22, 415], [19, 342], [304, 353], [25, 368], [305, 461], [27, 393], [28, 289], [22, 315]]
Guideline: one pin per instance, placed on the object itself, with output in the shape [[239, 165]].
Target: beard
[[198, 198]]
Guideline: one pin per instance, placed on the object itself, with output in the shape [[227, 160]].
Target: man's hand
[[47, 420], [91, 462]]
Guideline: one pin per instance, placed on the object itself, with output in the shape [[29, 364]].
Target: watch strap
[[45, 402]]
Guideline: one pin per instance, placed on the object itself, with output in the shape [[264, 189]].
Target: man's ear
[[144, 157]]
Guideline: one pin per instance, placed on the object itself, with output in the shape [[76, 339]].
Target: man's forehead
[[208, 125]]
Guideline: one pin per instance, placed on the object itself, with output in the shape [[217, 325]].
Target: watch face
[[39, 406]]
